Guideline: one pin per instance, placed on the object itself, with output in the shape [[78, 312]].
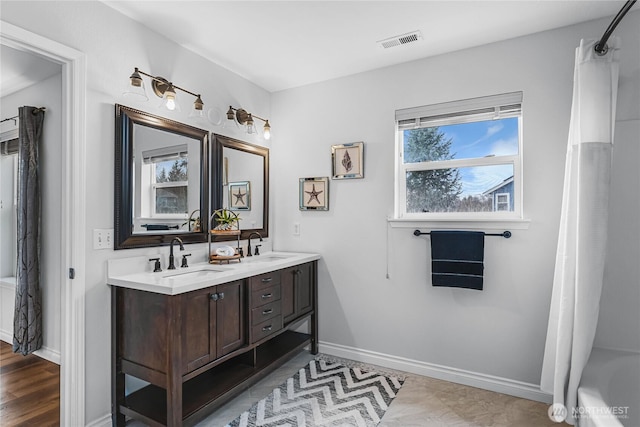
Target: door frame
[[73, 226]]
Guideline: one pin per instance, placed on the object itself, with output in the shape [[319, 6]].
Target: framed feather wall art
[[347, 160]]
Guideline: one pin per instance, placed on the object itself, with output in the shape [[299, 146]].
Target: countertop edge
[[228, 273]]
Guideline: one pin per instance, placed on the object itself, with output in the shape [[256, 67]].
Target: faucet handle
[[257, 250], [156, 267], [184, 261]]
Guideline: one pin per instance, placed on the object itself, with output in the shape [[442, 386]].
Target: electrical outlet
[[103, 239], [296, 228]]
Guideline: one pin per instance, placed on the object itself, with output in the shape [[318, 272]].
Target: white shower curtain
[[582, 241]]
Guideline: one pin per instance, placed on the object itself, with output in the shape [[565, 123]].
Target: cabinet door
[[297, 295], [303, 288], [198, 331], [287, 297], [230, 317]]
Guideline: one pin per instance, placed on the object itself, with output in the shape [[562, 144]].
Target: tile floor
[[422, 402]]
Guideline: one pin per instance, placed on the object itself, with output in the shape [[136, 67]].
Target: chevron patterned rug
[[326, 393]]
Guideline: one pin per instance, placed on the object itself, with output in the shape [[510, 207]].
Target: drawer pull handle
[[267, 311], [267, 279], [214, 297], [267, 328], [265, 296]]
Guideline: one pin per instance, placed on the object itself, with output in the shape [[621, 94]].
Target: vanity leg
[[314, 316], [174, 365], [117, 377]]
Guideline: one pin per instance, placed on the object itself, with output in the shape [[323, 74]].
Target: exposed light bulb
[[250, 128], [267, 130], [170, 98]]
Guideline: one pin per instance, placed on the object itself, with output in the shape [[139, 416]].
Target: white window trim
[[152, 194], [154, 188], [447, 111]]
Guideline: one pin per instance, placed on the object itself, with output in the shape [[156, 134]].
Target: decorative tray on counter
[[219, 259]]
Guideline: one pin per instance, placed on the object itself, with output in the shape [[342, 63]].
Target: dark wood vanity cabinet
[[212, 324], [297, 292], [199, 349]]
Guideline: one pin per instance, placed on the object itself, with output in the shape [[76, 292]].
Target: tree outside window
[[170, 187]]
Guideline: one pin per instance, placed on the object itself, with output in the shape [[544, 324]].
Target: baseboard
[[104, 421], [46, 353], [51, 355], [459, 376]]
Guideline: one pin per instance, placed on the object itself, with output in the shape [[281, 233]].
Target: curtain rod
[[601, 47], [35, 111]]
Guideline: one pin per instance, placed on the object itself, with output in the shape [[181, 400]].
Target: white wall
[[114, 45], [500, 331], [48, 94]]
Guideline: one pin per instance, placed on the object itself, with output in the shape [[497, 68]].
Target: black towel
[[457, 259], [154, 227]]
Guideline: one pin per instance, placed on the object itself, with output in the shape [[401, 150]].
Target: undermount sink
[[193, 274]]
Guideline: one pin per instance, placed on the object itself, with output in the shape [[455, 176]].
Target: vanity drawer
[[265, 312], [265, 295], [264, 280], [266, 328]]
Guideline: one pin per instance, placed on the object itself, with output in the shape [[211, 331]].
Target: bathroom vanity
[[201, 335]]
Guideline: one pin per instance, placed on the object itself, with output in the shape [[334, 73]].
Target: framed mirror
[[161, 180], [242, 183]]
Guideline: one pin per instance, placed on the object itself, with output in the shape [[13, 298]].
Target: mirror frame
[[219, 143], [125, 119]]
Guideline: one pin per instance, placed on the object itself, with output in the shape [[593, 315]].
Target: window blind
[[463, 111]]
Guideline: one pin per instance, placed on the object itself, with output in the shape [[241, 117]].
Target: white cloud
[[505, 147], [477, 180]]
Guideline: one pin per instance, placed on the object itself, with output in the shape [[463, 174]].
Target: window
[[460, 159], [167, 169], [501, 202], [169, 188]]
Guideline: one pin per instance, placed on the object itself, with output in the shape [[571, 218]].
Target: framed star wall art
[[240, 196], [348, 160], [314, 194]]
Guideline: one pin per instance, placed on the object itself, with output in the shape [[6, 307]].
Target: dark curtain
[[27, 320]]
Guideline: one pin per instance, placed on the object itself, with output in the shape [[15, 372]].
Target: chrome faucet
[[249, 245], [172, 265]]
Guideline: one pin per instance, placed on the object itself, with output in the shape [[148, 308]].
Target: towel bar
[[505, 234]]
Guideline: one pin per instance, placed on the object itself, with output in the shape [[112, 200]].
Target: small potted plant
[[226, 221], [193, 222]]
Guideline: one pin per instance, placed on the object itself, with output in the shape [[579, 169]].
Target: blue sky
[[480, 139]]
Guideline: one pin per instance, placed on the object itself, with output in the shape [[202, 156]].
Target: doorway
[[72, 206]]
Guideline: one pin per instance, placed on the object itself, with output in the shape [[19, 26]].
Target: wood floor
[[29, 390]]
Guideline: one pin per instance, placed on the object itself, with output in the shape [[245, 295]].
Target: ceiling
[[19, 70], [284, 44]]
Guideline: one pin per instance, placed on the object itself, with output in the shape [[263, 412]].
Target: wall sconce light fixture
[[163, 89], [241, 116]]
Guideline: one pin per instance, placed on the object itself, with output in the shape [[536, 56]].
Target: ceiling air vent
[[411, 37]]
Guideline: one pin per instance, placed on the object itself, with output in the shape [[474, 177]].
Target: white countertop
[[133, 272]]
